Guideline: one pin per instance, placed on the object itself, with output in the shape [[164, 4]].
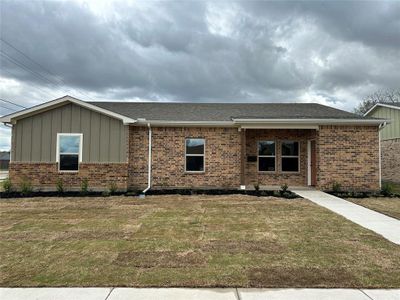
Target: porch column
[[243, 157]]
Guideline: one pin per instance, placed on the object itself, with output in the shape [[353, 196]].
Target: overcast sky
[[334, 53]]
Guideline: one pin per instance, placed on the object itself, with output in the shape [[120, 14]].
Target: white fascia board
[[310, 122], [382, 105], [279, 126], [57, 102], [161, 123]]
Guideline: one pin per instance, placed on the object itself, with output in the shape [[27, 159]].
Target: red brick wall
[[222, 157], [391, 160], [278, 177], [345, 154], [348, 155], [44, 176]]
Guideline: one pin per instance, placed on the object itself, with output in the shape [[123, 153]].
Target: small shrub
[[84, 186], [284, 189], [26, 187], [336, 187], [112, 188], [257, 187], [60, 186], [106, 193], [387, 189], [7, 185]]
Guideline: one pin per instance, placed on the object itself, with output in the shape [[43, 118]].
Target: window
[[290, 156], [69, 151], [266, 156], [194, 152]]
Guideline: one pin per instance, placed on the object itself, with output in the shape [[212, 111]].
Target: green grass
[[387, 206], [191, 241]]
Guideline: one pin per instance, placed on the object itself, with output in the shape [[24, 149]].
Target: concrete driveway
[[3, 175]]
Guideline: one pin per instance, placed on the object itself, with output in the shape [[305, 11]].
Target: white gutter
[[310, 121], [185, 123], [381, 126], [149, 163]]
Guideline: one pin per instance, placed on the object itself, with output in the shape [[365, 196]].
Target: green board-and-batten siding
[[35, 137], [392, 130]]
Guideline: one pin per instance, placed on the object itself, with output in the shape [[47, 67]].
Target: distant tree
[[382, 96]]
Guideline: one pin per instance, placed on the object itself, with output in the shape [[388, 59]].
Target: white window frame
[[258, 157], [80, 135], [203, 155], [291, 156]]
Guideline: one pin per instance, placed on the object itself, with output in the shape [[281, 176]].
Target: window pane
[[194, 163], [290, 148], [69, 144], [69, 162], [266, 148], [290, 164], [194, 146], [266, 163]]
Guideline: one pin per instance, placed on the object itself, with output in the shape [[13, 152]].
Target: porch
[[274, 157]]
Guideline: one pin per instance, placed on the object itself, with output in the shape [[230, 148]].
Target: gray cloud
[[329, 52]]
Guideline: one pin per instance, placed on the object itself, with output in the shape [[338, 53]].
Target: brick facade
[[277, 177], [222, 157], [348, 155], [44, 176], [345, 154], [390, 151]]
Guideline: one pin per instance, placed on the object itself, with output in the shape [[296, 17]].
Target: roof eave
[[313, 121], [11, 118], [381, 105]]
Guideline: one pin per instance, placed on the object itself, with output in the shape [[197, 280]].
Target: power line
[[21, 65], [16, 104], [7, 108], [34, 86], [35, 62], [25, 55]]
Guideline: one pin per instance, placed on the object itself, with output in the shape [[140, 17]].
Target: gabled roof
[[59, 102], [210, 114], [394, 105], [224, 111]]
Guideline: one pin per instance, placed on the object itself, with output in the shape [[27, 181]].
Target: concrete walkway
[[197, 294], [386, 226]]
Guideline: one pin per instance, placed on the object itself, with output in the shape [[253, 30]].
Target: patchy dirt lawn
[[188, 241]]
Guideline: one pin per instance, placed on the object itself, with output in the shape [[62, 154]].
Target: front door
[[312, 163]]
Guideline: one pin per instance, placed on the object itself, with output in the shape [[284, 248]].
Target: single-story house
[[192, 145], [390, 139]]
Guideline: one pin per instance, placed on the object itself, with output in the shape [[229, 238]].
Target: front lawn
[[235, 240], [387, 206]]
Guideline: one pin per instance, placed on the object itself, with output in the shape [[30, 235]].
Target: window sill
[[195, 172], [66, 171]]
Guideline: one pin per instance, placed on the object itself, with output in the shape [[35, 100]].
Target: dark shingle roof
[[224, 111]]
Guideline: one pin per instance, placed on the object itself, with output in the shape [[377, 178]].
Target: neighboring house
[[192, 145], [4, 160], [390, 139]]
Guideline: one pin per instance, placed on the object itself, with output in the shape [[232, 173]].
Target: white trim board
[[382, 105], [60, 101]]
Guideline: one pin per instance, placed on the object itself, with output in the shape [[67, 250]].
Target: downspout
[[381, 126], [149, 161]]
